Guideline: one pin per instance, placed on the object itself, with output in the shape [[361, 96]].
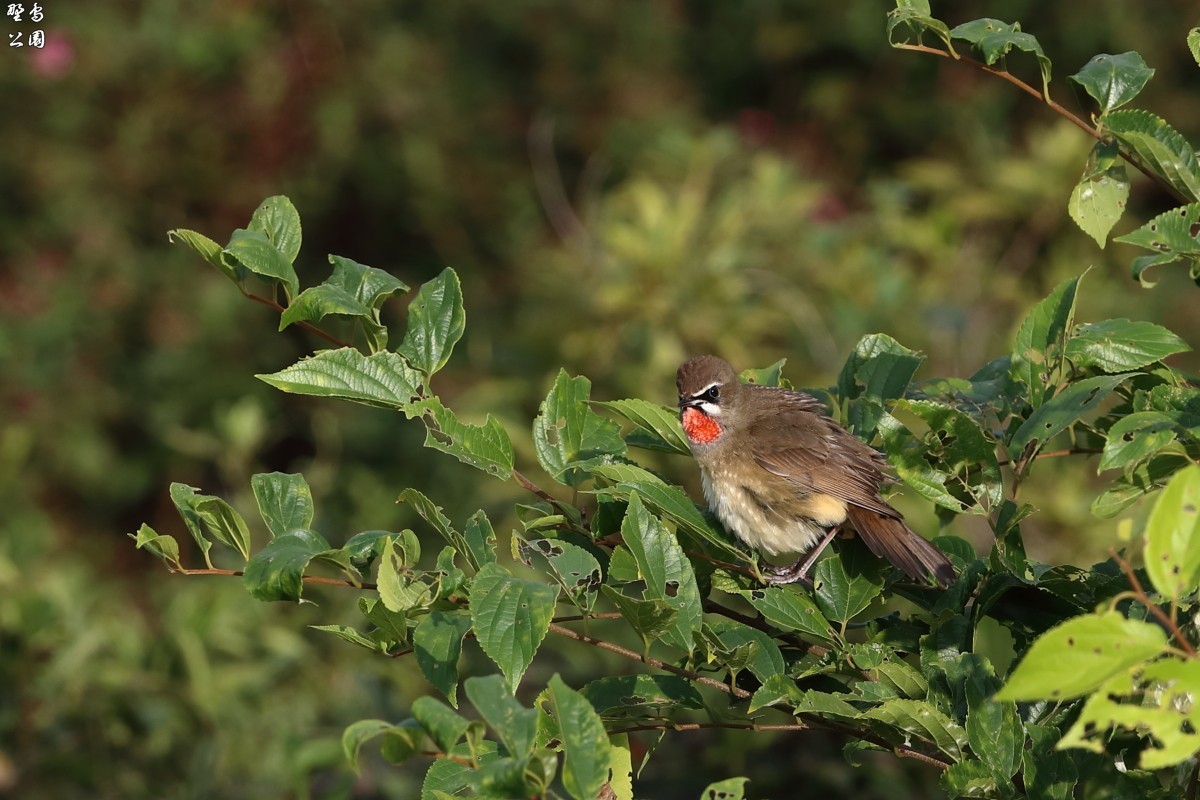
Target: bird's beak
[[688, 402]]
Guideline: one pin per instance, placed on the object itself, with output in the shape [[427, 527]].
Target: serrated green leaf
[[448, 778], [277, 219], [437, 643], [763, 658], [515, 724], [206, 515], [649, 619], [400, 588], [568, 437], [1121, 345], [922, 719], [667, 572], [766, 376], [671, 502], [443, 725], [383, 380], [436, 321], [993, 726], [1060, 412], [994, 39], [728, 789], [1098, 200], [1160, 147], [968, 779], [1050, 774], [252, 250], [348, 634], [1041, 341], [791, 609], [1172, 550], [1193, 43], [1077, 656], [276, 572], [914, 16], [953, 463], [656, 427], [486, 447], [161, 545], [879, 369], [480, 540], [510, 617], [618, 695], [432, 513], [576, 571], [284, 501], [359, 733], [843, 591], [184, 498], [1135, 437], [209, 250], [367, 285], [354, 290], [904, 678], [1114, 80], [363, 548], [391, 627], [584, 741]]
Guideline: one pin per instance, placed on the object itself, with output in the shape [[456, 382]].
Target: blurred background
[[619, 185]]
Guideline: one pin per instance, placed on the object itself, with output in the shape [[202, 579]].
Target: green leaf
[[480, 539], [284, 501], [1041, 342], [969, 779], [1113, 81], [184, 497], [879, 369], [383, 380], [443, 725], [1119, 345], [1172, 551], [400, 589], [1077, 656], [993, 727], [436, 321], [432, 513], [656, 427], [486, 447], [1193, 43], [994, 39], [161, 545], [568, 437], [276, 572], [650, 619], [359, 733], [791, 609], [914, 16], [575, 570], [952, 463], [766, 376], [922, 719], [515, 724], [672, 503], [665, 569], [209, 250], [277, 219], [391, 627], [1098, 200], [1135, 437], [618, 695], [584, 741], [510, 617], [1060, 412], [844, 590], [353, 290], [728, 789], [437, 643], [363, 548], [348, 634], [253, 251], [1162, 148], [447, 779], [1050, 774], [763, 656]]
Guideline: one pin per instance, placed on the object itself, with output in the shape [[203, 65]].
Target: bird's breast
[[762, 517]]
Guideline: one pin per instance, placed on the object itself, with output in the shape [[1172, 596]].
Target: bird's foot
[[791, 573]]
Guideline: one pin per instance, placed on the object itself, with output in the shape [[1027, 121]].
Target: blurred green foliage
[[618, 185]]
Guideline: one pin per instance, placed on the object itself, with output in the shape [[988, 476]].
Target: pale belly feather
[[760, 527]]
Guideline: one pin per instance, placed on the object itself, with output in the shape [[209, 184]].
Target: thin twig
[[1070, 451], [1030, 90], [466, 762], [649, 661], [308, 326], [306, 578], [1145, 600]]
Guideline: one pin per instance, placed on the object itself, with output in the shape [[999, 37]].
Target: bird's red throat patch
[[700, 427]]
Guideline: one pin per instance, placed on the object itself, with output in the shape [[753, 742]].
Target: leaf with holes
[[515, 724], [879, 369], [620, 696], [1114, 80], [1041, 341], [1077, 656], [845, 587], [667, 572], [789, 608], [1161, 147], [994, 39], [584, 741], [1098, 200], [1172, 550], [161, 545], [510, 617], [1120, 345], [923, 720], [575, 570], [277, 219], [1060, 412], [486, 447], [1135, 437], [383, 380], [649, 619], [914, 17]]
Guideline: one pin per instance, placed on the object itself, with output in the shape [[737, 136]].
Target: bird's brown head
[[708, 397]]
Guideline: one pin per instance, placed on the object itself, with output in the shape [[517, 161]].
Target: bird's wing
[[819, 455]]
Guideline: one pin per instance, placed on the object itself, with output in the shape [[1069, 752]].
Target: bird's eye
[[713, 394]]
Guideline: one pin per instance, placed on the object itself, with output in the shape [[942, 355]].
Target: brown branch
[[1070, 451], [306, 578], [466, 762], [1030, 90], [649, 661], [308, 326], [1145, 600]]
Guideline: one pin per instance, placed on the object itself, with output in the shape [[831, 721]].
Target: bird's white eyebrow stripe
[[706, 388]]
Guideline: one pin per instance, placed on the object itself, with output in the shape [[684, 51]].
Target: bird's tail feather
[[889, 538]]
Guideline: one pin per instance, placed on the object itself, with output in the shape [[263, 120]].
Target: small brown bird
[[784, 477]]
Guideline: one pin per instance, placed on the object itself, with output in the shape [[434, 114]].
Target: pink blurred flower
[[55, 59]]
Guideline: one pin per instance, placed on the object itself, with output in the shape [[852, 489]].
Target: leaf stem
[[306, 578], [1144, 599], [308, 326]]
